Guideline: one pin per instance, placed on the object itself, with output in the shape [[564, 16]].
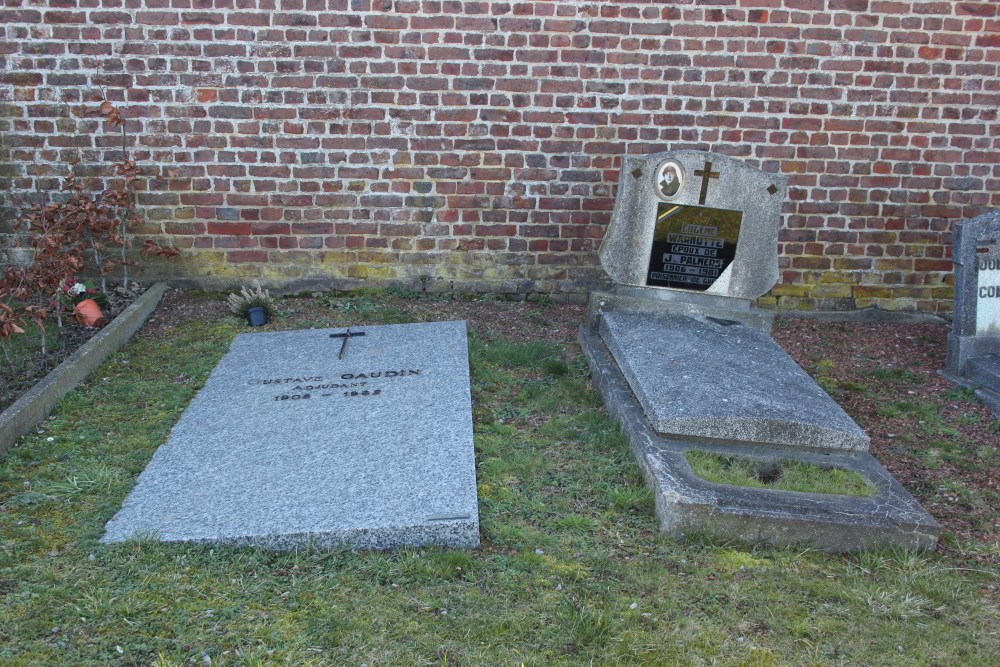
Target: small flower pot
[[257, 316], [88, 314]]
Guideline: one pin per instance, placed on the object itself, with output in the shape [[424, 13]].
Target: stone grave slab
[[713, 378], [684, 502], [320, 438]]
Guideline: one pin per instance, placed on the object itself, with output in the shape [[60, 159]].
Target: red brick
[[984, 9], [229, 228], [375, 126], [157, 18]]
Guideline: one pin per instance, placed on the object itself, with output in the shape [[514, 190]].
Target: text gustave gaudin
[[350, 384]]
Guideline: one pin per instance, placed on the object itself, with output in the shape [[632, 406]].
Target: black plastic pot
[[257, 316]]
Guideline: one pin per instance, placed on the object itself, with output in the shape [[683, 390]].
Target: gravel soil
[[938, 440]]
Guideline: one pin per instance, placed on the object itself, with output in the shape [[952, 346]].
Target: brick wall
[[445, 143]]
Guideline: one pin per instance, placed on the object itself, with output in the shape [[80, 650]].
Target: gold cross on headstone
[[706, 174]]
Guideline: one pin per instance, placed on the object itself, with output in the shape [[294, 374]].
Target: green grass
[[785, 475], [572, 571], [903, 376]]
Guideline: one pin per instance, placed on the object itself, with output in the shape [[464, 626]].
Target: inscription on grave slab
[[692, 245], [988, 287], [301, 438]]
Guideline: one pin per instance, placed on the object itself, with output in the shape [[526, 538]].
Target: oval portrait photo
[[669, 179]]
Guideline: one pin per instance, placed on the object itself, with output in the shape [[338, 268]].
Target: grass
[[572, 571], [785, 475]]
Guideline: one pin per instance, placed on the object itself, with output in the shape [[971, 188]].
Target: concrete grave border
[[36, 404], [685, 502]]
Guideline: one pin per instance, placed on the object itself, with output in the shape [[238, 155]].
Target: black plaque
[[692, 245]]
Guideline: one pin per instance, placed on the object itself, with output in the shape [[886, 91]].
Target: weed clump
[[783, 475]]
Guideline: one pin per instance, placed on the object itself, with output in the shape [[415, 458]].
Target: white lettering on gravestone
[[689, 260], [704, 230], [988, 287], [690, 239]]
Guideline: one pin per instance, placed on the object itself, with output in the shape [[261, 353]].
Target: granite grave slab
[[320, 438], [684, 502]]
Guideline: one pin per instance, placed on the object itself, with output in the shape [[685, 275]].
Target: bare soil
[[31, 364]]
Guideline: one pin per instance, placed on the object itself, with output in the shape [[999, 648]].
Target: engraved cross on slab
[[347, 335]]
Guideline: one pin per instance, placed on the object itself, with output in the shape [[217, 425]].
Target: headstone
[[988, 287], [322, 438], [695, 221], [684, 360], [974, 340]]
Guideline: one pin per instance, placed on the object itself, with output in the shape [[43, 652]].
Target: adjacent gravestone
[[974, 340], [684, 360], [359, 437]]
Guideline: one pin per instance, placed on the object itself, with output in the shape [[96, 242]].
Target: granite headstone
[[695, 221], [322, 438], [974, 340]]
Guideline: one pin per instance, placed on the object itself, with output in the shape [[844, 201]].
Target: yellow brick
[[871, 292], [357, 271], [377, 272], [794, 303], [338, 257], [902, 305], [911, 292], [894, 264], [842, 277], [832, 291], [768, 302], [786, 290]]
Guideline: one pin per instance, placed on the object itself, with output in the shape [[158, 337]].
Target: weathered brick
[[246, 256], [348, 134]]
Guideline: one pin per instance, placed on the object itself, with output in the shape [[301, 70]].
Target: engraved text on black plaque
[[692, 245]]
